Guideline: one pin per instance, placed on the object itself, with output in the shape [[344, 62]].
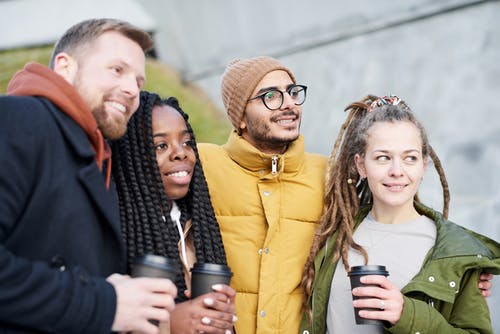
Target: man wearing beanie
[[266, 192]]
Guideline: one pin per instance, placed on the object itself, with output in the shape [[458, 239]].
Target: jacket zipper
[[274, 164]]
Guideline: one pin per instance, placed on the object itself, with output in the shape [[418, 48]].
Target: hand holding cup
[[355, 275], [154, 266], [205, 275]]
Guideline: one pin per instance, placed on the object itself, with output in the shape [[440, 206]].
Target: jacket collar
[[37, 80], [455, 240], [91, 178], [250, 158], [73, 132]]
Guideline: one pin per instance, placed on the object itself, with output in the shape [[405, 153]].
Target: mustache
[[286, 113]]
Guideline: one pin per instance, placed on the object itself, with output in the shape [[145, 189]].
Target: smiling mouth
[[118, 106], [285, 121], [395, 186], [178, 174]]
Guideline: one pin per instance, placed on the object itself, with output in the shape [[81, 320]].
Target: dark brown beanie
[[240, 79]]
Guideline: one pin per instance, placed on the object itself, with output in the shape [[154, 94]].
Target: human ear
[[243, 125], [66, 66], [360, 166]]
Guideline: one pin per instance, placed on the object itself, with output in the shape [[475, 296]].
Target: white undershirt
[[401, 248]]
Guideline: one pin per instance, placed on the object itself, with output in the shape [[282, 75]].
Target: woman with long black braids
[[166, 210]]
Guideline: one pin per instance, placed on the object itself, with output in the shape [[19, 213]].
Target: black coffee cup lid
[[370, 269], [155, 261], [212, 268]]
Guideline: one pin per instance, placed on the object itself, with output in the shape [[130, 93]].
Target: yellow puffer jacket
[[267, 207]]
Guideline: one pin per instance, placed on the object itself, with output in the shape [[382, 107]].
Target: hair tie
[[384, 100]]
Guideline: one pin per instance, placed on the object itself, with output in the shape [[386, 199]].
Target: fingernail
[[235, 318], [217, 287], [228, 331], [205, 320], [208, 301]]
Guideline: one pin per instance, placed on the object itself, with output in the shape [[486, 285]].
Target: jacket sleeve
[[34, 296], [468, 314]]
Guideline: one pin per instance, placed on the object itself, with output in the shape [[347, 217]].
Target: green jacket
[[442, 298]]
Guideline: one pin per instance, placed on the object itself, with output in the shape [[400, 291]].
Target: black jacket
[[59, 225]]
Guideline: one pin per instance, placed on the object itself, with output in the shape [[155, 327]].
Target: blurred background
[[441, 56]]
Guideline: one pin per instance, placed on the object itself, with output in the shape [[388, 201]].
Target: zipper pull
[[274, 164]]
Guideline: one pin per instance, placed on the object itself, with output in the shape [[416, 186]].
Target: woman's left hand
[[385, 297], [212, 312]]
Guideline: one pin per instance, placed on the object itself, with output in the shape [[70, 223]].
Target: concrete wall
[[442, 57]]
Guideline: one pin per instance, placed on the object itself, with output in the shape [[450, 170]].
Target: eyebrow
[[267, 89], [405, 152], [164, 134]]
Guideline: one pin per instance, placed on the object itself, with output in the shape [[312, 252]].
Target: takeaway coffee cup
[[355, 274], [156, 266], [204, 275]]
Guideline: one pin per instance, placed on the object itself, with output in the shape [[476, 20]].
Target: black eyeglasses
[[273, 98]]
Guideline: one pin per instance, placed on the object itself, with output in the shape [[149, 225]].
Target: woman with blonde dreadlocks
[[372, 215], [166, 210]]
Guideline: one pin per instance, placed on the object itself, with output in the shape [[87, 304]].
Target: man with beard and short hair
[[266, 192], [59, 221]]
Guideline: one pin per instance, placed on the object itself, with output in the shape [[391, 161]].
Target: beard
[[267, 139], [264, 134], [112, 126]]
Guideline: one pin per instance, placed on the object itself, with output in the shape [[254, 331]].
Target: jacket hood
[[455, 240], [38, 80]]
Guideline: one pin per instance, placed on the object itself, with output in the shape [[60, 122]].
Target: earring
[[350, 181]]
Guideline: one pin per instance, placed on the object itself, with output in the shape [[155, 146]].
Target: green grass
[[11, 61], [209, 123]]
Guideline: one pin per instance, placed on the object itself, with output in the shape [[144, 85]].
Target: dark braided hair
[[144, 206], [346, 192]]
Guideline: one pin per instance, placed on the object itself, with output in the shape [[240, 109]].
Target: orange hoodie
[[38, 80]]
